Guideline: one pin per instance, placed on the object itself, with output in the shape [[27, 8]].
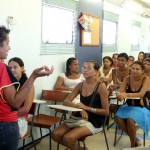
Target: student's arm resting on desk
[[14, 98], [27, 103], [59, 84], [122, 95], [103, 92]]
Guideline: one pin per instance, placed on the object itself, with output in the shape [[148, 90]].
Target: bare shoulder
[[102, 86], [79, 85], [145, 78]]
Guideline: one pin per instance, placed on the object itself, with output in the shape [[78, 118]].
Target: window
[[109, 32], [57, 25], [149, 39], [135, 35]]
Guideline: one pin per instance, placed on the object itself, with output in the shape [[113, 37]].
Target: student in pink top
[[16, 66], [10, 99]]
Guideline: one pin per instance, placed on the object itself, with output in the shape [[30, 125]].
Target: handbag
[[73, 121]]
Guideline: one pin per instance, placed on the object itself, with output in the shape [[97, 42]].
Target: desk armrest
[[39, 101]]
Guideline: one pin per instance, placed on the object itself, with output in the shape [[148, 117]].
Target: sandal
[[138, 142]]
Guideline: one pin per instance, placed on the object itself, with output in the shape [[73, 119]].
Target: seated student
[[133, 112], [141, 56], [115, 60], [93, 115], [105, 72], [147, 73], [130, 61], [16, 66], [119, 73], [147, 67], [69, 79]]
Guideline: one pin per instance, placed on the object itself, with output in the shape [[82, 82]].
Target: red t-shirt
[[6, 113]]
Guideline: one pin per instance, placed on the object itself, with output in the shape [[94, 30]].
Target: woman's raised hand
[[43, 71]]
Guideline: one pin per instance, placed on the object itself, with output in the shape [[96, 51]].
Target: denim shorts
[[9, 135]]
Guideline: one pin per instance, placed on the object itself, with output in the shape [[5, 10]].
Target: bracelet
[[93, 110]]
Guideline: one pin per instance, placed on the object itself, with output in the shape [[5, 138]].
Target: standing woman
[[10, 99], [133, 112], [16, 66], [93, 115]]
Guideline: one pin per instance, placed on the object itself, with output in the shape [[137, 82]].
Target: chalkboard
[[90, 34]]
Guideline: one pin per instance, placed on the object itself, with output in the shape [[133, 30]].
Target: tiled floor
[[95, 142]]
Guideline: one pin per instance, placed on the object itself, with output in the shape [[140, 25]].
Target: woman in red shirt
[[10, 99]]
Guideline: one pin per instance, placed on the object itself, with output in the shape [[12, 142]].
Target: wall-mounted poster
[[90, 31]]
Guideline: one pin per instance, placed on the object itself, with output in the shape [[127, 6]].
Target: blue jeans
[[9, 135]]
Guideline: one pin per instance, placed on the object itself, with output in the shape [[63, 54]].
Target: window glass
[[149, 40], [135, 35], [109, 32], [57, 25]]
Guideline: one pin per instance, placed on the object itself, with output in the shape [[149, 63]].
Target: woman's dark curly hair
[[109, 58], [68, 63], [3, 35], [123, 55], [21, 64]]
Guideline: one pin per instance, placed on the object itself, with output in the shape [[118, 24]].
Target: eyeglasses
[[87, 68]]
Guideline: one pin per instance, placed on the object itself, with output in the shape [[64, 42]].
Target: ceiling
[[143, 7]]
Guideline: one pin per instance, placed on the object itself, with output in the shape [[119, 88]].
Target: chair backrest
[[54, 95], [32, 109]]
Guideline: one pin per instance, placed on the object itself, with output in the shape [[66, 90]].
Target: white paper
[[62, 107], [87, 38]]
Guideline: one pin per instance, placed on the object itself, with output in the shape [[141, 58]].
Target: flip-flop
[[138, 142]]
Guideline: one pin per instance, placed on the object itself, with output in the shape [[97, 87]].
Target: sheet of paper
[[62, 107], [87, 38]]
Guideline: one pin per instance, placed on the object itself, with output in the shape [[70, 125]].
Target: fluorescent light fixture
[[133, 6]]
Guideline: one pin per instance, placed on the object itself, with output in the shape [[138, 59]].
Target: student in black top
[[93, 115]]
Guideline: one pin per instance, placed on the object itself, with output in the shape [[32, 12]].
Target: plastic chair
[[29, 132], [44, 120]]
